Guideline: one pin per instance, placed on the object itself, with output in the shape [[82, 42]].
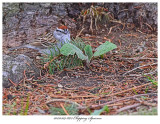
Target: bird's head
[[62, 32]]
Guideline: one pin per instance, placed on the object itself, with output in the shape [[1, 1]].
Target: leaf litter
[[117, 80]]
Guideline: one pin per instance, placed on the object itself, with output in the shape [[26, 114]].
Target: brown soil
[[120, 74]]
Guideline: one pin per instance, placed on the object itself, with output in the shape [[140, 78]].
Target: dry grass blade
[[64, 109], [80, 33]]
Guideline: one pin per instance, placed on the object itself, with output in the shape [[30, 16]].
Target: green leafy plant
[[146, 89], [73, 54], [25, 111], [135, 91], [104, 48], [151, 79], [98, 112], [12, 108], [78, 42], [88, 52], [71, 109], [70, 49], [64, 61]]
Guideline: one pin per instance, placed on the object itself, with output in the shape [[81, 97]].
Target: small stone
[[38, 57], [60, 86], [87, 35]]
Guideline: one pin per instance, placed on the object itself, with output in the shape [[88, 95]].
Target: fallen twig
[[129, 89], [148, 104], [87, 96], [110, 29], [149, 26], [130, 97], [24, 73], [139, 67], [12, 82], [47, 64], [115, 21], [128, 107], [80, 32], [136, 58], [152, 72], [91, 25]]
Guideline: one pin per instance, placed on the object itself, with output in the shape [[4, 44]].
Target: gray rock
[[59, 9], [13, 68]]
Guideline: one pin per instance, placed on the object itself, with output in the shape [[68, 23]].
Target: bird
[[59, 37]]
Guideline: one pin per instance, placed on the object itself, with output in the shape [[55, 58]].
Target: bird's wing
[[41, 42], [46, 40]]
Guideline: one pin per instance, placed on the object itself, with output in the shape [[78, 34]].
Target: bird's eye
[[59, 31], [65, 31]]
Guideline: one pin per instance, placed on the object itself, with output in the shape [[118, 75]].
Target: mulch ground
[[117, 80]]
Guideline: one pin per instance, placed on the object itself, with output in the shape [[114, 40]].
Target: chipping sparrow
[[42, 44]]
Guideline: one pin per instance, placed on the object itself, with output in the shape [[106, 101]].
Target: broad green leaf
[[88, 52], [104, 48], [70, 49], [98, 112]]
